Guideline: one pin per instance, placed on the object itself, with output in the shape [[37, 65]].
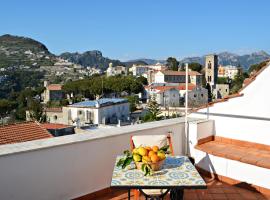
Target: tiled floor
[[215, 191]]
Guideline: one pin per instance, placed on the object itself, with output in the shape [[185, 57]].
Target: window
[[209, 65], [80, 112], [226, 90], [195, 95], [201, 95]]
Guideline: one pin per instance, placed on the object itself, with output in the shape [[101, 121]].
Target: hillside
[[22, 51], [90, 58], [227, 58]]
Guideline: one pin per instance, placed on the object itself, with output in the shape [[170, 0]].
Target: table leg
[[177, 194], [128, 194]]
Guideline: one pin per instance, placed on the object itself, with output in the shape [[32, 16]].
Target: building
[[52, 92], [228, 71], [58, 129], [102, 111], [169, 76], [22, 132], [220, 91], [54, 115], [142, 70], [211, 69], [228, 139], [117, 70], [138, 70], [197, 97]]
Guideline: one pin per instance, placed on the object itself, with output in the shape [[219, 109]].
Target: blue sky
[[125, 29]]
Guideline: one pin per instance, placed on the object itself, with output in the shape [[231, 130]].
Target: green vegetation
[[222, 80], [18, 80], [172, 64], [153, 110], [6, 107], [133, 102], [237, 82], [18, 51], [256, 67], [36, 111], [96, 86], [195, 66]]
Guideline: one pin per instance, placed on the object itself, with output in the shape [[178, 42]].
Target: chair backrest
[[151, 140]]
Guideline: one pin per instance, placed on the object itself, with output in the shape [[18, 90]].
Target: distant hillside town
[[87, 90]]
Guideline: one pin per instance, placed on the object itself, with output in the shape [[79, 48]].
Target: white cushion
[[150, 140]]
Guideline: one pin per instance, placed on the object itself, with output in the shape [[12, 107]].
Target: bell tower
[[211, 69]]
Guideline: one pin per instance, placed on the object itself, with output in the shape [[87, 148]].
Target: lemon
[[161, 155], [142, 151], [137, 158]]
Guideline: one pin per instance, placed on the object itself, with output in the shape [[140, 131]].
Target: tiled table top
[[176, 172]]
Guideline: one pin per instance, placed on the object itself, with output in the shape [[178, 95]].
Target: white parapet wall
[[72, 166], [237, 170]]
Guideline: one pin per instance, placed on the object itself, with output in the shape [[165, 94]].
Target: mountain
[[148, 61], [134, 62], [90, 58], [23, 51], [227, 58]]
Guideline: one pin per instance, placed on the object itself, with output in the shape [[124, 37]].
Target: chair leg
[[136, 194]]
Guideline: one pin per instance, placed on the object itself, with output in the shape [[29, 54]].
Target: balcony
[[80, 166]]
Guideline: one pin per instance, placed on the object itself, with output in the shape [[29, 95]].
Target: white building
[[102, 111], [142, 70], [117, 70], [169, 76], [138, 70], [229, 71]]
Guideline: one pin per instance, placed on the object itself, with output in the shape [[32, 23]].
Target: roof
[[55, 87], [179, 87], [54, 126], [53, 109], [101, 102], [22, 132], [253, 77], [247, 82], [180, 73]]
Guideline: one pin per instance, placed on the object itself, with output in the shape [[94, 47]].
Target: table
[[176, 174]]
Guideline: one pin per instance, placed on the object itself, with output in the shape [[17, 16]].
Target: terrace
[[219, 136]]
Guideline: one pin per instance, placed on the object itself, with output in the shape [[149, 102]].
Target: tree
[[153, 109], [36, 111], [195, 66], [256, 67], [133, 101], [222, 80], [237, 82], [208, 87], [172, 64], [142, 80], [5, 107]]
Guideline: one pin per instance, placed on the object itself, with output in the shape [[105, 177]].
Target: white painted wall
[[159, 77], [230, 168], [71, 166], [254, 103]]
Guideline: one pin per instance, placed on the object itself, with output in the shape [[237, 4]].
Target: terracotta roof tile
[[178, 87], [22, 132], [55, 87], [183, 73]]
